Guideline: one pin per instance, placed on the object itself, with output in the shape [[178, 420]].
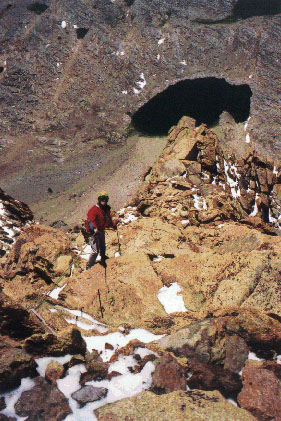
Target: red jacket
[[100, 218]]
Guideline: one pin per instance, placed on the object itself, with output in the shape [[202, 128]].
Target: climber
[[98, 219]]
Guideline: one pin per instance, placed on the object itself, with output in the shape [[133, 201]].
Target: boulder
[[68, 341], [54, 371], [168, 376], [206, 376], [44, 401], [208, 341], [96, 368], [261, 393], [193, 405], [89, 394], [15, 364]]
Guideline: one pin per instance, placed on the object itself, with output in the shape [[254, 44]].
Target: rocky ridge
[[195, 292]]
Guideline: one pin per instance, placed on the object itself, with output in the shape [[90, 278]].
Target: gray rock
[[89, 394]]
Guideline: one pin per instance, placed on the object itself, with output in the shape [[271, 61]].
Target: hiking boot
[[103, 263]]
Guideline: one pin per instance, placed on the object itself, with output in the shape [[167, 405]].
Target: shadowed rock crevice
[[37, 8], [245, 9], [203, 99], [81, 32]]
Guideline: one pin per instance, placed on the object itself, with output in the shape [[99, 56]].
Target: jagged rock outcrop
[[13, 216], [193, 182]]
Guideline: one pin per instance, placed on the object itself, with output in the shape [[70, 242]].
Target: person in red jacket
[[98, 219]]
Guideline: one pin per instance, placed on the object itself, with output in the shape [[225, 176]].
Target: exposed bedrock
[[81, 70]]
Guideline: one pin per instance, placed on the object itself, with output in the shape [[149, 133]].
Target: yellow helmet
[[103, 193]]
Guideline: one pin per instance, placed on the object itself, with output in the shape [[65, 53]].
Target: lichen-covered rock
[[193, 405], [54, 371], [44, 401], [127, 290], [208, 340], [261, 393], [68, 341], [14, 365], [35, 259]]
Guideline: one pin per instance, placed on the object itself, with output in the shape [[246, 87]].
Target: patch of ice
[[117, 340], [255, 210], [12, 397], [231, 170], [246, 124], [142, 82], [232, 401], [95, 324], [130, 217], [185, 221], [220, 225], [63, 24], [55, 293], [125, 92], [161, 41], [117, 254], [252, 356], [2, 209], [274, 172], [248, 140], [71, 270], [136, 91], [170, 300], [43, 362]]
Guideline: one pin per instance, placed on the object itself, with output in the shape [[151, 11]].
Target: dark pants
[[97, 243]]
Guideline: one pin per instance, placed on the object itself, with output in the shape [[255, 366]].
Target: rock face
[[13, 216], [192, 405], [35, 258], [14, 365], [124, 289], [44, 401], [88, 68], [261, 393], [119, 34]]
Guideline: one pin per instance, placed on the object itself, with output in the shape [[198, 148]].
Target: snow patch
[[161, 41], [170, 300], [199, 202], [55, 293], [248, 140], [117, 340], [231, 173], [253, 356], [63, 24], [94, 324]]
